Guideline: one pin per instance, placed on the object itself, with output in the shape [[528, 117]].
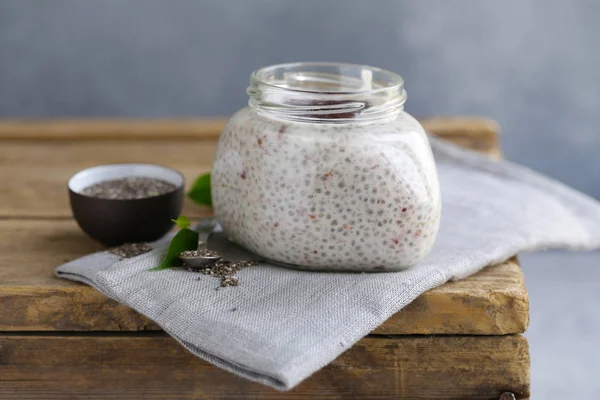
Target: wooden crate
[[59, 339]]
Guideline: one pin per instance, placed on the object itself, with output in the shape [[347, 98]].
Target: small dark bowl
[[114, 222]]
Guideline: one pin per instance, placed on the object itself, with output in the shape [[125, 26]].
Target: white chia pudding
[[353, 196]]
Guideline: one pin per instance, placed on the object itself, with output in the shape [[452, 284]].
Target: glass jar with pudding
[[324, 170]]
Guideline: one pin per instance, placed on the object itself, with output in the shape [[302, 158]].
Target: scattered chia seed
[[130, 188], [199, 253], [225, 270], [230, 281], [129, 250]]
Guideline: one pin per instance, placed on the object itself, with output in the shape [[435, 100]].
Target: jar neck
[[326, 92]]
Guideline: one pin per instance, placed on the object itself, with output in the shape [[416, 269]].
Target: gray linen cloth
[[281, 325]]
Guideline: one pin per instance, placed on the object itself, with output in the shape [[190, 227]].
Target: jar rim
[[394, 81]]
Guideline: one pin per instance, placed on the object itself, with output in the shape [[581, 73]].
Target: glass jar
[[324, 170]]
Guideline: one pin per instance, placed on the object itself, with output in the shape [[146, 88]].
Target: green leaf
[[182, 222], [200, 191], [185, 239]]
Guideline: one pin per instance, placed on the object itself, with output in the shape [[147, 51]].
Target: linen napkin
[[280, 325]]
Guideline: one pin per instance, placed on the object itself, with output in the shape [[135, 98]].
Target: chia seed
[[229, 281], [129, 188], [199, 253], [224, 270], [129, 250]]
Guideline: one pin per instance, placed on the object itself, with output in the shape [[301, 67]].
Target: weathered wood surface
[[475, 133], [491, 302], [37, 232], [156, 367], [35, 173], [111, 129]]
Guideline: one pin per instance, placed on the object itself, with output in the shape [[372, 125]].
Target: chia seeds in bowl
[[126, 203], [327, 185], [129, 188]]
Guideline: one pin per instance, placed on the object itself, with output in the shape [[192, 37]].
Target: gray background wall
[[533, 65]]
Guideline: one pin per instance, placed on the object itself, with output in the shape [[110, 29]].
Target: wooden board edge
[[476, 312], [81, 308], [404, 367]]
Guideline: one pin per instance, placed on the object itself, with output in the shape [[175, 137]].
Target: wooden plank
[[414, 367], [479, 134], [482, 131], [491, 302], [111, 129], [35, 174]]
